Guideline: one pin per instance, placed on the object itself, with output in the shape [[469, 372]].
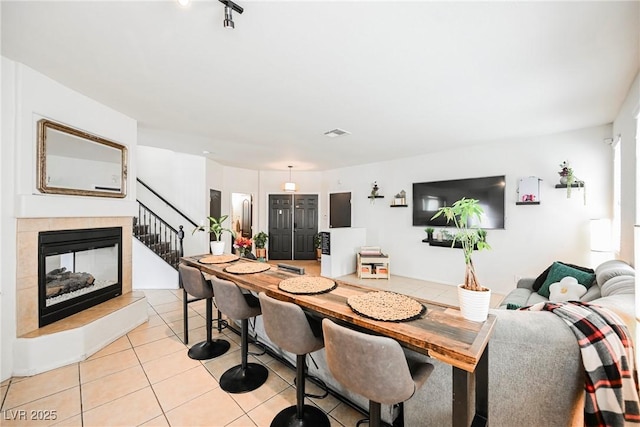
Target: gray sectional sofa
[[535, 369]]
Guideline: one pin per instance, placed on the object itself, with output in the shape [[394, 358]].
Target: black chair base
[[239, 380], [311, 417], [208, 349]]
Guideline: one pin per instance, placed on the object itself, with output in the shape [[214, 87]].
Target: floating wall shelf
[[375, 197]]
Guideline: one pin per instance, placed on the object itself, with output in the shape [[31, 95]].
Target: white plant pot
[[217, 247], [474, 305]]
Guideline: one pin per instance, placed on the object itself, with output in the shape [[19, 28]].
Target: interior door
[[280, 227], [215, 206], [339, 210], [305, 225]]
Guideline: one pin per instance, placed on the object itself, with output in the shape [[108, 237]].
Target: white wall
[[179, 178], [534, 236], [626, 125], [28, 96]]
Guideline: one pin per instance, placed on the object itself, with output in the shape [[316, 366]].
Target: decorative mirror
[[74, 162]]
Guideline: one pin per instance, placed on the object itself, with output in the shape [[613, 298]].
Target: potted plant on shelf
[[260, 240], [429, 231], [215, 227], [317, 243], [466, 214], [568, 178]]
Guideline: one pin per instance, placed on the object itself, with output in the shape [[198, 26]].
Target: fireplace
[[77, 269]]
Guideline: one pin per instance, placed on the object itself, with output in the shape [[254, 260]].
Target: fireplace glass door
[[78, 269]]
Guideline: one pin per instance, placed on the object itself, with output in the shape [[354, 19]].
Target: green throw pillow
[[559, 271]]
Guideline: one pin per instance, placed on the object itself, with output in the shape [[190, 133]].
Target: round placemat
[[247, 267], [307, 285], [218, 259], [386, 306]]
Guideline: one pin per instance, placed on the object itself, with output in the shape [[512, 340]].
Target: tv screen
[[428, 197]]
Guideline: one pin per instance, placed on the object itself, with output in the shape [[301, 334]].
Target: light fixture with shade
[[290, 186], [230, 6]]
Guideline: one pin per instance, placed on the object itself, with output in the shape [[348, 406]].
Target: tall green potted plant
[[466, 214], [260, 241], [215, 227]]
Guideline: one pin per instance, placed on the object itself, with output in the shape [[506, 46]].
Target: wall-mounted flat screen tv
[[428, 197]]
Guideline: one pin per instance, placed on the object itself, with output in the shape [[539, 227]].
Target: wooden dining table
[[441, 332]]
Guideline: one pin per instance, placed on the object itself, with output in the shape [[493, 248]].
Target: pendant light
[[289, 187]]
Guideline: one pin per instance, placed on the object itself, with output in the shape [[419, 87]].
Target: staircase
[[155, 233], [164, 240]]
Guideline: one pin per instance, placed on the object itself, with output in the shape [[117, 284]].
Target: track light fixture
[[230, 6]]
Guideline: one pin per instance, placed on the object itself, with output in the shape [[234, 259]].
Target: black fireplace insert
[[77, 269]]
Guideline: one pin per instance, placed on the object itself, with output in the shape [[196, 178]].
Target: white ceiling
[[406, 78]]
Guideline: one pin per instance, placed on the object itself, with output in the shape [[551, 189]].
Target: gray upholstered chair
[[287, 326], [372, 366], [239, 306], [194, 283]]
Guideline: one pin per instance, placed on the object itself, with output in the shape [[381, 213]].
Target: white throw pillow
[[567, 289]]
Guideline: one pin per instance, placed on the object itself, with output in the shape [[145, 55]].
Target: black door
[[280, 227], [305, 225], [215, 207], [339, 210]]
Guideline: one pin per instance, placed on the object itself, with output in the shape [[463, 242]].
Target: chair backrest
[[194, 282], [231, 301], [287, 326], [372, 366]]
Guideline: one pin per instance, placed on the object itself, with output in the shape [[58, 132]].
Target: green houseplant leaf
[[466, 214], [215, 227]]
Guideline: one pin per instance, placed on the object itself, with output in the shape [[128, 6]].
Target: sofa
[[535, 369]]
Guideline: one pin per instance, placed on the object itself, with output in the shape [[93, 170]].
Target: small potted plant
[[215, 227], [317, 243], [260, 241], [429, 231], [466, 214], [568, 178]]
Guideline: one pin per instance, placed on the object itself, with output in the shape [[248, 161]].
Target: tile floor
[[145, 378]]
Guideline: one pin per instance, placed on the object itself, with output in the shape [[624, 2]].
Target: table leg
[[461, 393]]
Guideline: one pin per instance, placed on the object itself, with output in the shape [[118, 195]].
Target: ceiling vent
[[336, 132]]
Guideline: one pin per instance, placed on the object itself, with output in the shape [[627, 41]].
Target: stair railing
[[164, 240], [169, 204]]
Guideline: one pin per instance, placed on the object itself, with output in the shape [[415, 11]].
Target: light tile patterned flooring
[[146, 378]]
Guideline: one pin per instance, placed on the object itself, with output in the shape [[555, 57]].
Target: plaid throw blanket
[[607, 350]]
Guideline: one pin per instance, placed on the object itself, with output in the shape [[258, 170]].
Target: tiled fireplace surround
[[27, 262], [76, 337]]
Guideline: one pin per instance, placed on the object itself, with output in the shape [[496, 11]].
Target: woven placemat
[[218, 259], [307, 285], [247, 268], [386, 306]]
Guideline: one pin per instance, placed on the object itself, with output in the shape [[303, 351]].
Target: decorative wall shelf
[[574, 185], [527, 203], [375, 197], [444, 243], [399, 206]]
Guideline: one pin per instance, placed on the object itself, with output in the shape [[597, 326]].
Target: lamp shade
[[289, 187]]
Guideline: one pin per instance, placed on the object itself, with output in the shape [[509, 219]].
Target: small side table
[[373, 266]]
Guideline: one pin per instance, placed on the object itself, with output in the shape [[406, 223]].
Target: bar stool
[[194, 283], [288, 327], [237, 305], [372, 366]]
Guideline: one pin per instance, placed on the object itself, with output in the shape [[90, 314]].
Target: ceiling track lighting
[[289, 187], [230, 6]]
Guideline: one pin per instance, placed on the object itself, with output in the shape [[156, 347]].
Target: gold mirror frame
[[94, 150]]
